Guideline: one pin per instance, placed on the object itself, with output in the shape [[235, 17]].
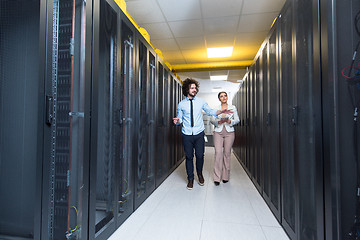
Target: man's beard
[[192, 95]]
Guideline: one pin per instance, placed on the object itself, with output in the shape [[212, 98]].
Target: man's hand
[[176, 121]]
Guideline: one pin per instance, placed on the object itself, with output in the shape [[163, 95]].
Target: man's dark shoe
[[217, 183], [201, 179], [225, 181], [190, 184]]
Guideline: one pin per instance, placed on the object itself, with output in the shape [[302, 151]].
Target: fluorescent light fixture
[[219, 78], [217, 90], [219, 52]]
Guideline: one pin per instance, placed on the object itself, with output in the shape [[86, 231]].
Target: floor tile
[[234, 210]]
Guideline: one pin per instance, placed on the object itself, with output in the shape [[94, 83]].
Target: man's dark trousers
[[190, 143]]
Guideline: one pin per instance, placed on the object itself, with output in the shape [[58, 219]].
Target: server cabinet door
[[127, 114], [142, 125], [151, 122], [172, 113], [166, 119], [308, 135], [274, 124], [266, 123], [21, 121], [258, 125], [289, 202], [106, 130], [160, 126], [65, 117]]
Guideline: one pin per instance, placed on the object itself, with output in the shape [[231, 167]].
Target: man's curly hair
[[186, 85]]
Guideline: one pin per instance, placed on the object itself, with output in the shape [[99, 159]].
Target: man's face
[[192, 90]]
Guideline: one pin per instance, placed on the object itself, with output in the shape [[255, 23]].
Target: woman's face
[[223, 97]]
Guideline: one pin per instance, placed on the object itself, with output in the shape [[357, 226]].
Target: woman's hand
[[226, 111], [224, 121]]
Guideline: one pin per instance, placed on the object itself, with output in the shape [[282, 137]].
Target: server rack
[[109, 99], [74, 143], [145, 167], [285, 112], [64, 183], [21, 122]]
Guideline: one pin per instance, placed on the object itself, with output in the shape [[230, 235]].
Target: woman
[[224, 136]]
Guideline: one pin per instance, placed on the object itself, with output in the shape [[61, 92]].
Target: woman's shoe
[[216, 183], [225, 181]]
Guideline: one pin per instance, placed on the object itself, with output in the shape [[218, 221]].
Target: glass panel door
[[107, 126], [287, 126], [142, 133], [160, 160], [274, 124], [127, 94], [151, 123]]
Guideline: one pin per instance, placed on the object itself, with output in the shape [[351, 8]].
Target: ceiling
[[184, 29]]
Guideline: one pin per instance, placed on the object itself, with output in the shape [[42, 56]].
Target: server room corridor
[[234, 210]]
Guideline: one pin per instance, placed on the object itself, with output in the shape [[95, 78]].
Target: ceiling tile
[[245, 53], [190, 28], [235, 75], [166, 44], [173, 57], [256, 22], [262, 6], [145, 11], [220, 40], [202, 75], [175, 10], [252, 38], [191, 43], [158, 30], [221, 25], [217, 8], [195, 56], [220, 72]]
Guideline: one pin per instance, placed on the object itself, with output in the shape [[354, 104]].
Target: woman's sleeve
[[236, 119], [214, 121]]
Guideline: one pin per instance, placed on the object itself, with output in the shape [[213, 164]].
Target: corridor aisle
[[230, 211]]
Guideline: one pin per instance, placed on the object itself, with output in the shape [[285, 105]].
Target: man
[[189, 114]]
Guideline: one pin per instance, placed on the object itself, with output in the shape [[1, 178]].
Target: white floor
[[234, 210]]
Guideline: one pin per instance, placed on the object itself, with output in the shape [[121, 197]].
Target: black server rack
[[151, 121], [21, 122], [284, 138], [160, 125], [73, 93], [145, 80], [289, 193], [107, 133]]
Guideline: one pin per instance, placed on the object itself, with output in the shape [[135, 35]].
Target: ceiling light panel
[[219, 78], [219, 52]]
